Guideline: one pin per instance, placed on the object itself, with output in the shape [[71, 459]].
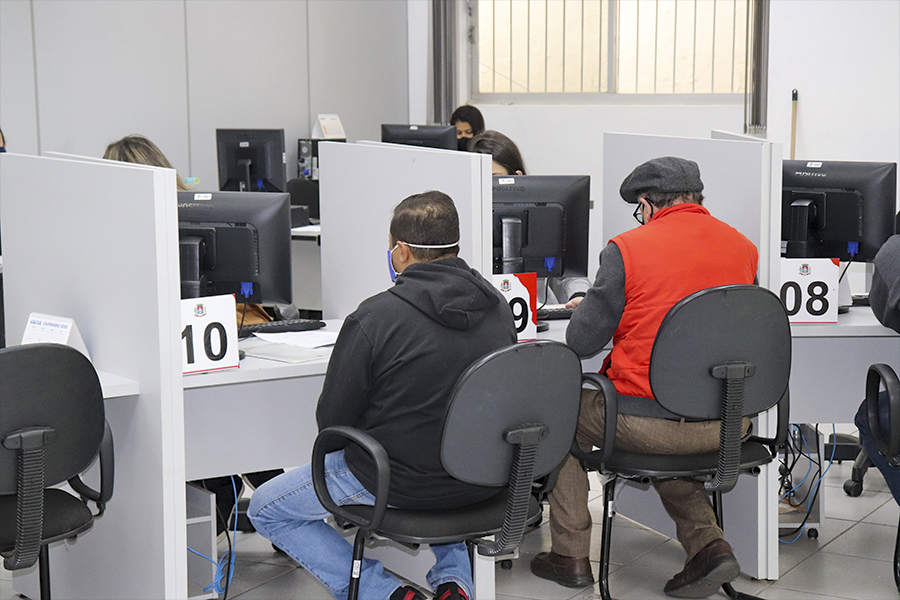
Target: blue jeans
[[286, 511], [891, 473]]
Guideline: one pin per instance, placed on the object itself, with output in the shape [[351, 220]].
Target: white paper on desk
[[302, 339], [288, 354]]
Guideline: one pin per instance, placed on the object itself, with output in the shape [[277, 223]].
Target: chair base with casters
[[510, 420], [719, 354]]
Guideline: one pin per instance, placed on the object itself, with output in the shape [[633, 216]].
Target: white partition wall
[[359, 186], [98, 243], [739, 181]]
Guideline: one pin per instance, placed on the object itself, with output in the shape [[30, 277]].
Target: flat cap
[[664, 174]]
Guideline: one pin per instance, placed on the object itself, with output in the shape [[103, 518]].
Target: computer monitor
[[235, 243], [251, 160], [833, 209], [428, 136], [540, 224]]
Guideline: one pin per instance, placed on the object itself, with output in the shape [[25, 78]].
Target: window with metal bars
[[614, 46]]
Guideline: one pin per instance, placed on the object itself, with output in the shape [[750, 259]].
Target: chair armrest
[[890, 448], [602, 383], [107, 475], [332, 439]]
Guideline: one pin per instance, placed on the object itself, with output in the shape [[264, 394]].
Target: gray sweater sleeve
[[595, 320], [884, 295]]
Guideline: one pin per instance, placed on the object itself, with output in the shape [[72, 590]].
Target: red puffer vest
[[682, 250]]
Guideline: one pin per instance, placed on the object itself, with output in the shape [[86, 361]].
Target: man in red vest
[[680, 249]]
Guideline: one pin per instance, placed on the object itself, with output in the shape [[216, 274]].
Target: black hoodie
[[394, 365]]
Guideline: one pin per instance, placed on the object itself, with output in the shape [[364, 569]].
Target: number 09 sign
[[209, 340], [520, 290], [809, 289]]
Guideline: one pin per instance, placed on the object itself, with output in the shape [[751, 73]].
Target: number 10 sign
[[809, 289], [209, 334]]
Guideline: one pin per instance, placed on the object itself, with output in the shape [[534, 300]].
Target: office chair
[[52, 426], [889, 448], [722, 353], [511, 419], [305, 192]]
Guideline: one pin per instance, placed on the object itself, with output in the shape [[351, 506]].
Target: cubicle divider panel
[[770, 205], [359, 186], [97, 241], [732, 173], [737, 189]]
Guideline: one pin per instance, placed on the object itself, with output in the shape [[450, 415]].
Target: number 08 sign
[[209, 340], [809, 289]]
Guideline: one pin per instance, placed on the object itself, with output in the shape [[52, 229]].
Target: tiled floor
[[852, 558]]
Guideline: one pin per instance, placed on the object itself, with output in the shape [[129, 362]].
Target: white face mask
[[394, 273]]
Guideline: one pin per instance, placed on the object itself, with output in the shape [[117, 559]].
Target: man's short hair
[[429, 219], [666, 199]]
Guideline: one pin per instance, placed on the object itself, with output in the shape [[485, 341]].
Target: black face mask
[[463, 143], [2, 148]]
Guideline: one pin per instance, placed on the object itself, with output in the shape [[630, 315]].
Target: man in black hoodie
[[393, 367]]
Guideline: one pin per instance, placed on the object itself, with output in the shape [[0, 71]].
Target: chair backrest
[[726, 324], [50, 385], [304, 192], [527, 383]]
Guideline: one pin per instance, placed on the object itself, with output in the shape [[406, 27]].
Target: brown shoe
[[704, 574], [564, 570]]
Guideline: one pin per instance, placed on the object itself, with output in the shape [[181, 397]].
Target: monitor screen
[[251, 160], [540, 224], [235, 243], [429, 136], [833, 209]]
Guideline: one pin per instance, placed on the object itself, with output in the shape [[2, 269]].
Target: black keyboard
[[552, 313], [281, 326]]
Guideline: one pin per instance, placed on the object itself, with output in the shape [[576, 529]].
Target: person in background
[[507, 160], [469, 123], [2, 142], [139, 150], [391, 374], [884, 298], [634, 289]]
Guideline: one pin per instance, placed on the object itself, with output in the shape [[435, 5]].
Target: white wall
[[175, 70], [843, 58]]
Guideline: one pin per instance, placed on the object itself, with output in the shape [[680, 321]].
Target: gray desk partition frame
[[738, 183], [97, 241], [359, 186]]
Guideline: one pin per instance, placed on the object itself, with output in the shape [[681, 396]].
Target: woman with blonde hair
[[139, 150]]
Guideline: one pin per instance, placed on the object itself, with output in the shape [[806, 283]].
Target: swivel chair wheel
[[812, 533], [506, 565], [853, 488]]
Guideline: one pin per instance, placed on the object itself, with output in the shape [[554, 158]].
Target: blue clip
[[246, 289]]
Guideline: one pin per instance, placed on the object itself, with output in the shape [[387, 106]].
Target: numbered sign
[[520, 290], [209, 340], [809, 289]]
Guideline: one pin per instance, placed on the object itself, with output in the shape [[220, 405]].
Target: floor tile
[[645, 577], [249, 575], [519, 582], [865, 540], [841, 576], [841, 506], [887, 514], [293, 584], [792, 554]]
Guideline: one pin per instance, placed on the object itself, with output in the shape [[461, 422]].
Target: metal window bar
[[608, 36]]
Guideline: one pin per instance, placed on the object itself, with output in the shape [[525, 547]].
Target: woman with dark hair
[[507, 160], [469, 123], [506, 155]]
